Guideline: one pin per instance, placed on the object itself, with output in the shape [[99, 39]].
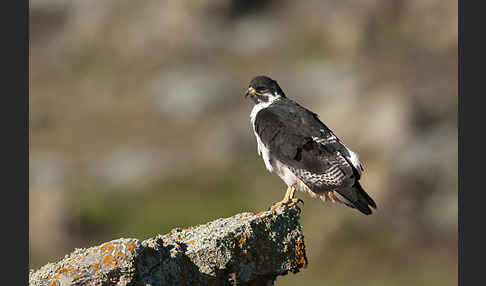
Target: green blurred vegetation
[[158, 207]]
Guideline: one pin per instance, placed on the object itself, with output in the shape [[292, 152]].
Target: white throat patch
[[271, 99]]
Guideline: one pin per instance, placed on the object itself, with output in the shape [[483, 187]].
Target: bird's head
[[263, 89]]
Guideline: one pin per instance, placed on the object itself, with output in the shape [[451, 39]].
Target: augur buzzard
[[302, 150]]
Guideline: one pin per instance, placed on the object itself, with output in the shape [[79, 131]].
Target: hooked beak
[[250, 92]]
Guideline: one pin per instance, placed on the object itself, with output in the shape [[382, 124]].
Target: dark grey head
[[264, 89]]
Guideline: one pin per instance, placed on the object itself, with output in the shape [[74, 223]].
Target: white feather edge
[[354, 158]]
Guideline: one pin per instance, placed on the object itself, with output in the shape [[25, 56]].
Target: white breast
[[261, 148], [272, 164]]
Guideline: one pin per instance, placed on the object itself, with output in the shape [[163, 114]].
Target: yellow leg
[[288, 199]]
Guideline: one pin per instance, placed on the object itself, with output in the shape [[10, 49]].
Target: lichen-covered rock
[[246, 249]]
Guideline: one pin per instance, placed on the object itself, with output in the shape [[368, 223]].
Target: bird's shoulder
[[288, 114]]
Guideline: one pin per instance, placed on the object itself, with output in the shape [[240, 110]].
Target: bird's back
[[297, 138]]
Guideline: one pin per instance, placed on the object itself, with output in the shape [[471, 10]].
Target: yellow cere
[[252, 91]]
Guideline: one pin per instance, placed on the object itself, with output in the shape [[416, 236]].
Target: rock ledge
[[245, 249]]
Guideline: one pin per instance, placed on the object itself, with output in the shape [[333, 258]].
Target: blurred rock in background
[[139, 124]]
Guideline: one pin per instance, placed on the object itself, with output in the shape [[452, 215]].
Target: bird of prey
[[302, 150]]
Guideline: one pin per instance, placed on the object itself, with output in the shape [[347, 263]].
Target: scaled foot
[[287, 200]]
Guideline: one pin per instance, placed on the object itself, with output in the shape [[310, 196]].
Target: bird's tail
[[357, 198]]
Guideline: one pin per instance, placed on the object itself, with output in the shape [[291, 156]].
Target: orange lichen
[[301, 259], [242, 240], [107, 247], [260, 213], [191, 241], [120, 254], [107, 260], [130, 246], [107, 255]]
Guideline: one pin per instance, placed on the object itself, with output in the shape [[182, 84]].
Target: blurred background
[[138, 124]]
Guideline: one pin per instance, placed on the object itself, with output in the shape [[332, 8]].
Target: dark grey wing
[[298, 139]]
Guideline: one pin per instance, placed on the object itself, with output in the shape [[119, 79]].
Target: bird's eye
[[261, 90]]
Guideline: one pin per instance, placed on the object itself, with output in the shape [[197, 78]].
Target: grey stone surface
[[245, 249]]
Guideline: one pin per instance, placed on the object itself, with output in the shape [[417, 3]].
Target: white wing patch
[[328, 140], [354, 158]]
